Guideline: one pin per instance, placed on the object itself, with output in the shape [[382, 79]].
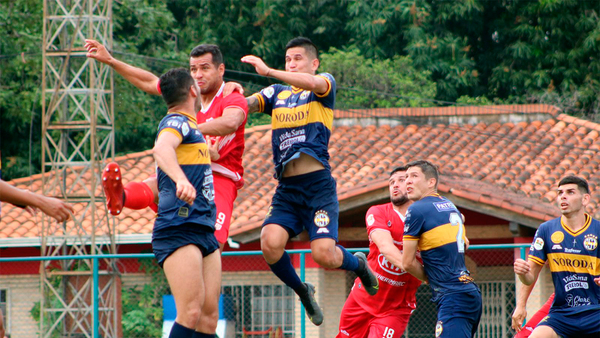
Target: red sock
[[138, 195]]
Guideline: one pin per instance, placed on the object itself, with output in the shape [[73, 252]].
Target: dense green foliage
[[408, 51]]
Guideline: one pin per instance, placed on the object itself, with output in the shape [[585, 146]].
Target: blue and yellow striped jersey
[[574, 260], [301, 121], [194, 159], [437, 224]]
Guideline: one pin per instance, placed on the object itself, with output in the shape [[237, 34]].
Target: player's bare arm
[[52, 207], [166, 158], [384, 241], [527, 271], [520, 312], [253, 104], [138, 77], [305, 81], [226, 124], [410, 263]]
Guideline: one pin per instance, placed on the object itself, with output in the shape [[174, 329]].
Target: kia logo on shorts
[[389, 267]]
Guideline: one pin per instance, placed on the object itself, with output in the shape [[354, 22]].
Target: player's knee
[[325, 258], [270, 246], [209, 321], [190, 317]]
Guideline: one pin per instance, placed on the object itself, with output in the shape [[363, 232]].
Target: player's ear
[[221, 69], [586, 199], [315, 64]]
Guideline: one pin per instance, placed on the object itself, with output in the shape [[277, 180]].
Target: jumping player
[[223, 118], [570, 245], [435, 226], [183, 237], [306, 197], [385, 314]]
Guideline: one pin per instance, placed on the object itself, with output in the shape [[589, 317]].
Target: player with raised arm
[[306, 197], [570, 246], [385, 314], [220, 119], [183, 237], [435, 227]]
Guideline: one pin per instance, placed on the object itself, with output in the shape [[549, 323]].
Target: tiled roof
[[508, 166]]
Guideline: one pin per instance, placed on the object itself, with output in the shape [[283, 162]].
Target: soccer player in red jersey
[[385, 314], [221, 119]]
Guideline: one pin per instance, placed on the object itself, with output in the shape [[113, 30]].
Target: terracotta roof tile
[[506, 165]]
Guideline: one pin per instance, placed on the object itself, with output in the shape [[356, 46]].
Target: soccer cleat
[[367, 277], [313, 311], [113, 188]]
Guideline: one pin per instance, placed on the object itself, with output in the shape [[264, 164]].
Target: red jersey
[[231, 147], [397, 287]]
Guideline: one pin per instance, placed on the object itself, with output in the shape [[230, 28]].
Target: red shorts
[[225, 194], [356, 322]]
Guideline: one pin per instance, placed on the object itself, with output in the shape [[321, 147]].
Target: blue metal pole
[[95, 302], [302, 278]]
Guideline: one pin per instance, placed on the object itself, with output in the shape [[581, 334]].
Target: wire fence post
[[302, 278]]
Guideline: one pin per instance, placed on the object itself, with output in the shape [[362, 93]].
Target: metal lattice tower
[[78, 137]]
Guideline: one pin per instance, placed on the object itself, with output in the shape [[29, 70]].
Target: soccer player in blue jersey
[[570, 246], [183, 237], [435, 226], [306, 197]]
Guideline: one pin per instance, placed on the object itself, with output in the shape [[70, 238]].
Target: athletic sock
[[284, 269], [350, 262], [180, 331], [204, 335], [138, 195]]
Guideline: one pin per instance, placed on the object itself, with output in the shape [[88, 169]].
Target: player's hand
[[55, 208], [213, 148], [186, 191], [518, 317], [521, 267], [259, 65], [597, 281], [97, 51], [231, 87]]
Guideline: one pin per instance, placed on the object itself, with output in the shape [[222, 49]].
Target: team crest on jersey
[[303, 95], [268, 92], [370, 220], [557, 237], [284, 95], [439, 328], [590, 242], [322, 220], [538, 244]]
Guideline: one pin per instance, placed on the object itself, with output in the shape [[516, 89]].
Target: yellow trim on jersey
[[192, 117], [588, 221], [193, 153], [302, 115], [328, 87], [438, 236], [261, 102], [536, 260], [560, 262], [172, 131]]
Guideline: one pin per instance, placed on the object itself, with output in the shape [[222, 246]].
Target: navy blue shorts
[[458, 315], [567, 324], [168, 240], [308, 202]]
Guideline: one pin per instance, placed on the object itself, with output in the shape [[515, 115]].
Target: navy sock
[[350, 262], [285, 271], [180, 331], [204, 335]]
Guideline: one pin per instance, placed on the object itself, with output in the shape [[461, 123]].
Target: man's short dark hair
[[429, 169], [397, 169], [175, 85], [214, 50], [582, 184], [305, 43]]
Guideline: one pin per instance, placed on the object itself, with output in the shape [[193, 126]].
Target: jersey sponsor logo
[[344, 332], [268, 92], [389, 267], [444, 206], [183, 212], [207, 188], [557, 237], [439, 328], [590, 242], [572, 263], [567, 250], [173, 123], [574, 301], [284, 94], [390, 281], [322, 220], [538, 244], [557, 247], [279, 102], [291, 116], [304, 95], [291, 137], [370, 220], [185, 129]]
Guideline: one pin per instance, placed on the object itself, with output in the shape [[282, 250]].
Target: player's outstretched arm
[[305, 81], [225, 124], [138, 77], [410, 263], [166, 158], [52, 207], [385, 244], [520, 313]]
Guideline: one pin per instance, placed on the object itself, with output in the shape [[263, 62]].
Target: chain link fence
[[254, 303]]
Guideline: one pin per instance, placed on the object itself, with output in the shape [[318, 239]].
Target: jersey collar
[[588, 221], [191, 117], [205, 109]]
